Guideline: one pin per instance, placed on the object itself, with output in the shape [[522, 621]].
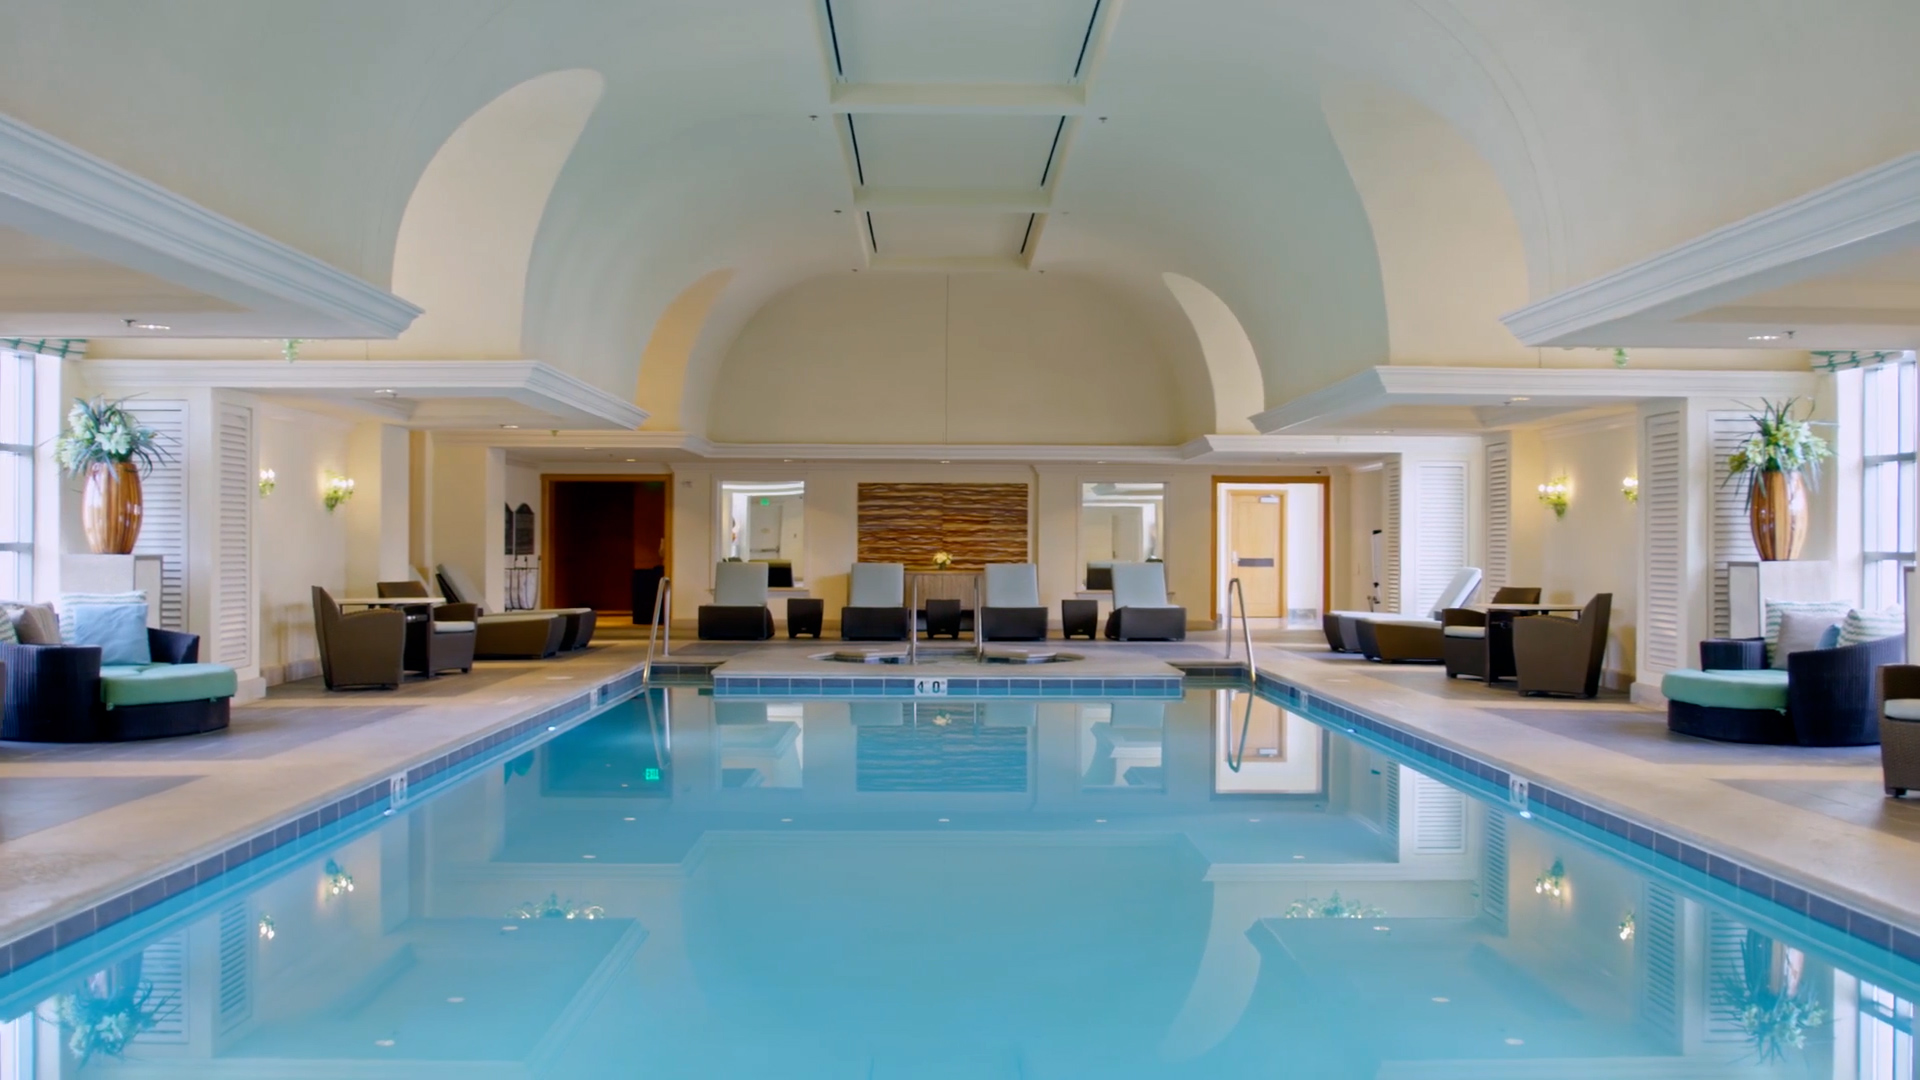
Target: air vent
[[1080, 62], [833, 38], [1053, 151]]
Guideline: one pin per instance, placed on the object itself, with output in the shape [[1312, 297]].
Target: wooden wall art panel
[[977, 524]]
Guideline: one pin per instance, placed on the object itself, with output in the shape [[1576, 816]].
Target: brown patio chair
[[1467, 642], [1552, 655], [360, 648]]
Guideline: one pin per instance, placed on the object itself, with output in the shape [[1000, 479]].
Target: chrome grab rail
[[659, 627], [979, 617], [1246, 630], [913, 624]]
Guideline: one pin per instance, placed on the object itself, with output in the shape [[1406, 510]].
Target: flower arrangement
[[942, 560], [1331, 908], [555, 908], [108, 1013], [1776, 1011], [102, 432], [1779, 443]]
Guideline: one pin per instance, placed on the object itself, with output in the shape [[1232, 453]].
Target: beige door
[[1256, 539]]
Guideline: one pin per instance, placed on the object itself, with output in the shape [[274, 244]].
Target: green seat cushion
[[164, 684], [1764, 689]]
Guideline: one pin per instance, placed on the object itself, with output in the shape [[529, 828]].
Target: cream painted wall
[[468, 493], [298, 543], [832, 524], [1596, 547], [962, 358], [1353, 546], [380, 512]]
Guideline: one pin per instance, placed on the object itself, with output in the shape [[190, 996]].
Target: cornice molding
[[1682, 279], [58, 181], [532, 383]]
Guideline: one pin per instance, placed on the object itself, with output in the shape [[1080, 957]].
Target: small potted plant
[[1777, 463], [942, 561], [1776, 1009], [112, 1008], [109, 446]]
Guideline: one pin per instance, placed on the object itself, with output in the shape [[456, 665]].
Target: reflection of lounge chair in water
[[746, 733], [1128, 748]]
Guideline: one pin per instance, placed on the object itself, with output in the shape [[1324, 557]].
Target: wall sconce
[[266, 482], [338, 880], [1554, 493], [1630, 487], [338, 490], [1626, 927], [1552, 883], [266, 928]]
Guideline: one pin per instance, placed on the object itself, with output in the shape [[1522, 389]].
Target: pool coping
[[1525, 793]]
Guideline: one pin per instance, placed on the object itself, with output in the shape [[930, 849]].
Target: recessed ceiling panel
[[954, 151], [946, 234], [960, 41]]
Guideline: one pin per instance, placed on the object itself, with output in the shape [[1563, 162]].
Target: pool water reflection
[[1209, 887]]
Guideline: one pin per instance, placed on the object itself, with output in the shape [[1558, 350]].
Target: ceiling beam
[[1017, 201], [1012, 99]]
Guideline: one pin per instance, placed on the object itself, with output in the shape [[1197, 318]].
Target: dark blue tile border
[[1794, 896]]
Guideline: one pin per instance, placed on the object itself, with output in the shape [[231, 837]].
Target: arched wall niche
[[1233, 371]]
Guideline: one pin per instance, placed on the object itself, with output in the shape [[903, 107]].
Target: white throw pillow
[[1799, 632], [1833, 610]]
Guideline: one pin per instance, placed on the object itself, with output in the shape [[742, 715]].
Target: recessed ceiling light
[[1099, 463], [1511, 400], [1381, 431], [1767, 337], [386, 393], [456, 1001], [510, 427], [633, 459], [135, 324], [788, 460], [383, 1042]]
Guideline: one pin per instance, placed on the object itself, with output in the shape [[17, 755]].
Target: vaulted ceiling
[[1291, 156]]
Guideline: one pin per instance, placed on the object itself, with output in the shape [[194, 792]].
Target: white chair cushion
[[1140, 584], [1458, 591], [740, 584], [1904, 708], [452, 626], [878, 585], [1465, 631], [1012, 585]]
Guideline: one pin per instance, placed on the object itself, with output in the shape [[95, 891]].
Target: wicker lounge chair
[[1397, 639], [874, 610], [1479, 646], [578, 622], [739, 610], [1824, 697], [1552, 655], [1140, 608], [360, 648], [1899, 696], [1012, 611]]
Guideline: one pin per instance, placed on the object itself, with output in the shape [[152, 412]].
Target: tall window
[[1888, 439], [1885, 1032], [16, 475]]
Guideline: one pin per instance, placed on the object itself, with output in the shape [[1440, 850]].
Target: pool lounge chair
[[739, 610], [874, 610], [1398, 639], [1012, 611], [1140, 608], [516, 635], [578, 622]]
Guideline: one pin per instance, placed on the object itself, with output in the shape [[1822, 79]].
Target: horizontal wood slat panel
[[977, 524]]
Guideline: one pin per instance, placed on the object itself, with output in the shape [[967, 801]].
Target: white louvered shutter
[[236, 966], [164, 965], [1725, 967], [1659, 972], [1391, 486], [1732, 536], [1390, 820], [163, 512], [233, 601], [1439, 818], [1441, 495], [1665, 544], [1493, 870], [1499, 569]]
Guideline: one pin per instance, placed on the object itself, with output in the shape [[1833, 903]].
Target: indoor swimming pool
[[1213, 886]]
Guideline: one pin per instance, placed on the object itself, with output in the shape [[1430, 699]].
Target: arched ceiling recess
[[1233, 370], [1616, 130]]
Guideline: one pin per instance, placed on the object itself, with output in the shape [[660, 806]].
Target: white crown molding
[[1478, 387], [536, 385], [64, 193], [1813, 234]]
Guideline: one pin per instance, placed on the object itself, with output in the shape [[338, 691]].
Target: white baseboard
[[275, 674], [1648, 694]]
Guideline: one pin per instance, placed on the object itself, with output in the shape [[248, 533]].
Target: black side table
[[943, 619], [1080, 617], [803, 616]]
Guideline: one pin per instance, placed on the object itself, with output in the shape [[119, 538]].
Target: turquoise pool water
[[1209, 887]]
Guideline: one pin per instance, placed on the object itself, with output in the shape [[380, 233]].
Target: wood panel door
[[1256, 550]]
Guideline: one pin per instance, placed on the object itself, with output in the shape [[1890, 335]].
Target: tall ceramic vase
[[110, 507], [1777, 514]]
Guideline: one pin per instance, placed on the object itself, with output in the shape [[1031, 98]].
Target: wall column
[[467, 513], [379, 517]]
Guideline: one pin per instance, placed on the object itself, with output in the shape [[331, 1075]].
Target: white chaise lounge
[[1400, 638]]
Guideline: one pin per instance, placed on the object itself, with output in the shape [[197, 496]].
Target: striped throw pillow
[[68, 601], [1831, 610], [1863, 626]]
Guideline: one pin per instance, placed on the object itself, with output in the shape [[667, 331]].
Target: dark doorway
[[599, 532]]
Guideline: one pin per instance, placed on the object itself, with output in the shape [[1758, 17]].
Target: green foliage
[[104, 1023], [1331, 908], [102, 432], [1779, 443], [1775, 1018]]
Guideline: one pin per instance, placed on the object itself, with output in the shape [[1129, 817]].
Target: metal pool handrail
[[1234, 588], [660, 627]]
